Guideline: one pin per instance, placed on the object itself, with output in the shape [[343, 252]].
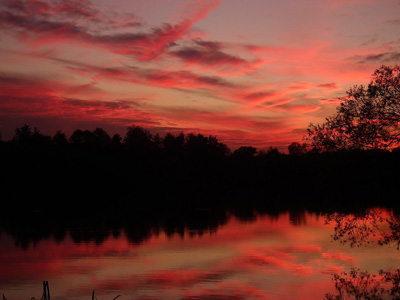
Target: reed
[[46, 293]]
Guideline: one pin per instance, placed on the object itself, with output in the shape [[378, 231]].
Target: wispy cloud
[[47, 22]]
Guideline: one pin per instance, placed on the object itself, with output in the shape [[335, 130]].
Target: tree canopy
[[367, 118]]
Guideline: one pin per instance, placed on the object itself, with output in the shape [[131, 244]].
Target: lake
[[285, 255]]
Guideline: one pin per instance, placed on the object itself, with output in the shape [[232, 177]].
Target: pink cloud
[[333, 102], [299, 109], [331, 86]]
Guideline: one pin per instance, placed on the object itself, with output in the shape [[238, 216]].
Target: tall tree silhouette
[[23, 134], [139, 139], [367, 118], [60, 138]]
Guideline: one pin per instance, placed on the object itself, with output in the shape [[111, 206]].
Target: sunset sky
[[251, 72]]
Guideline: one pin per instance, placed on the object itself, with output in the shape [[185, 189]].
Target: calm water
[[288, 256]]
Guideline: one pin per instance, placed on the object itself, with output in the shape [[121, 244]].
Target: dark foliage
[[91, 172], [368, 118], [362, 285]]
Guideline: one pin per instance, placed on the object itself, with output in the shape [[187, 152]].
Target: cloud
[[299, 109], [341, 257], [261, 95], [333, 102], [122, 112], [384, 57], [180, 79], [69, 8], [331, 85], [211, 55], [301, 249], [50, 23], [393, 21], [208, 57]]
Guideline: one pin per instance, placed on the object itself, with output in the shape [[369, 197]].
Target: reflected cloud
[[224, 291], [341, 257]]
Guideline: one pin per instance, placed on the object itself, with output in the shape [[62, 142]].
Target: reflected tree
[[362, 285], [372, 225]]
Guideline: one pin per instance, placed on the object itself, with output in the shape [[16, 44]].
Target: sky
[[252, 73]]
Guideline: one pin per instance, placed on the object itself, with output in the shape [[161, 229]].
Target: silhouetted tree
[[27, 136], [138, 137], [60, 138], [270, 152], [367, 118], [116, 139], [102, 137], [80, 137], [202, 146], [244, 153], [173, 144], [217, 148], [297, 149], [23, 134], [95, 138]]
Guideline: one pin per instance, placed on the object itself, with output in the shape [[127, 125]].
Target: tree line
[[92, 170]]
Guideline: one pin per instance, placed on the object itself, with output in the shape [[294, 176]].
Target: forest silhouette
[[91, 171]]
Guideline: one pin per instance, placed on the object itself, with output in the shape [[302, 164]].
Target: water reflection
[[204, 255], [362, 285], [371, 226], [138, 227]]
